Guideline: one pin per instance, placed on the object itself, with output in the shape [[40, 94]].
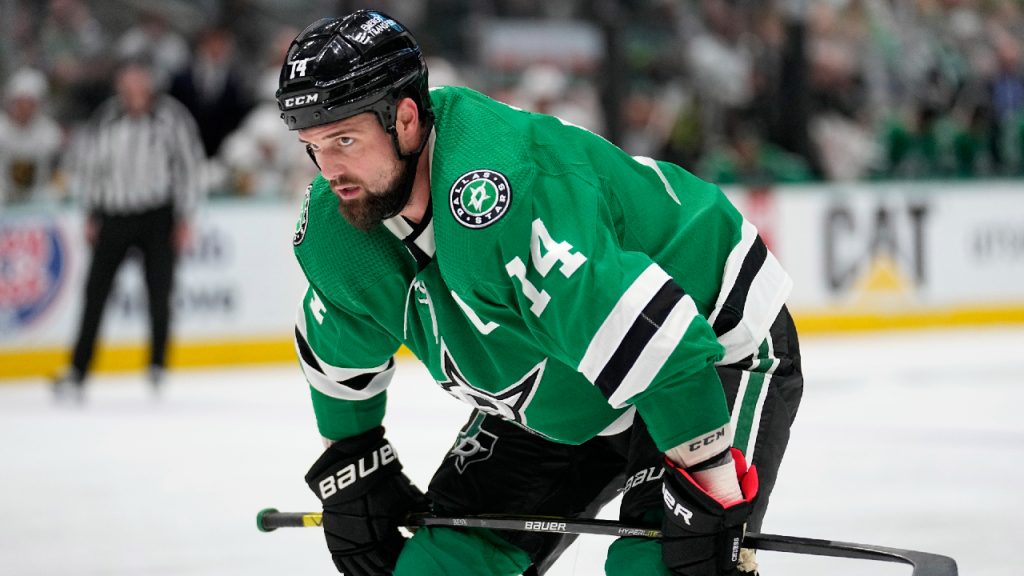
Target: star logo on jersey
[[478, 195], [509, 403], [480, 198]]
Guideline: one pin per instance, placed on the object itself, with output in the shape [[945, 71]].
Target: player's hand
[[365, 495], [182, 236], [702, 536], [92, 229]]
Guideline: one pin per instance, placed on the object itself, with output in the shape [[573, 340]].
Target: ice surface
[[911, 440]]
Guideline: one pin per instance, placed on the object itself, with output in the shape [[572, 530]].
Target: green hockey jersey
[[554, 281]]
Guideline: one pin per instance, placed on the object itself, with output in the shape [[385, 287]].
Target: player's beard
[[376, 205]]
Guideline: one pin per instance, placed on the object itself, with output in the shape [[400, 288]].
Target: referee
[[140, 179]]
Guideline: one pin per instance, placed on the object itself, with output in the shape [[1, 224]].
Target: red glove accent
[[700, 535]]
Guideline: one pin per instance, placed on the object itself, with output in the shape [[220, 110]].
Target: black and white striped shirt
[[129, 164]]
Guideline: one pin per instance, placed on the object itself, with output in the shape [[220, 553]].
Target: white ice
[[911, 440]]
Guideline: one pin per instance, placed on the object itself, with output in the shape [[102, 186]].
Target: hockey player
[[614, 321]]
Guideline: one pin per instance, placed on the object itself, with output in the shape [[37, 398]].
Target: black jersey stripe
[[305, 352], [359, 382], [421, 257], [732, 309], [638, 336], [411, 241], [363, 380]]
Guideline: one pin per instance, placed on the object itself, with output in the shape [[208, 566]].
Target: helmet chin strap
[[411, 161], [404, 189]]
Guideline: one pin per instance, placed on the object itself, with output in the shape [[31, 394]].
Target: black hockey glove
[[365, 496], [700, 535]]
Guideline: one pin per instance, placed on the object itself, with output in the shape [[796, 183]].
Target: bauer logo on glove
[[345, 477]]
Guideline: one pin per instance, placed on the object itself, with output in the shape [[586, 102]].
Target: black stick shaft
[[925, 564]]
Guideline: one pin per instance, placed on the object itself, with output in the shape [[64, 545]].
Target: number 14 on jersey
[[545, 252]]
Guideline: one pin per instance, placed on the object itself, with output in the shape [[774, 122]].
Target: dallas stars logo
[[510, 403], [480, 197], [474, 444]]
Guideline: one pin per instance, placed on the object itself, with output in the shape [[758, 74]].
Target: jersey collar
[[417, 238]]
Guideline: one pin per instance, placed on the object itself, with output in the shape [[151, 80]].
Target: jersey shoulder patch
[[480, 198]]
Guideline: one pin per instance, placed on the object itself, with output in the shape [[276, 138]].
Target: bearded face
[[360, 160], [383, 198]]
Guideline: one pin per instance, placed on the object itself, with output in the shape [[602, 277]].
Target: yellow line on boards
[[825, 322], [133, 357], [43, 362], [46, 362]]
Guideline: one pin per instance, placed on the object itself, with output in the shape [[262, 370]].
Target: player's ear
[[407, 122]]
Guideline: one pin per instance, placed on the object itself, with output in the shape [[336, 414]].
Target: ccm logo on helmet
[[301, 100]]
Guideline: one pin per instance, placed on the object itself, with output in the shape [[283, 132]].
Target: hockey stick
[[924, 563]]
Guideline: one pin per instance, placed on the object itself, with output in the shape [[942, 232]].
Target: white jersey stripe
[[738, 402], [620, 424], [653, 165], [338, 374], [656, 352], [767, 294], [398, 226], [331, 388], [622, 317], [328, 380], [426, 240], [755, 423], [733, 264]]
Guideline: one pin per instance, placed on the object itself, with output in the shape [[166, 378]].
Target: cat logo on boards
[[875, 251]]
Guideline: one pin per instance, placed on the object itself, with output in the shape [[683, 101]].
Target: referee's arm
[[187, 161]]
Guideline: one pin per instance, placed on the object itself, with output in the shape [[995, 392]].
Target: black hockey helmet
[[340, 67]]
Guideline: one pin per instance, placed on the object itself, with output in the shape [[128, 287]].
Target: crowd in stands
[[739, 91]]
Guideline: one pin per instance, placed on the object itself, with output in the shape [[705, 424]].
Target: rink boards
[[868, 256]]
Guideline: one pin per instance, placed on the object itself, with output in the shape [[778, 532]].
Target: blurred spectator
[[549, 90], [273, 57], [639, 134], [443, 72], [846, 149], [30, 141], [973, 142], [260, 158], [1006, 90], [649, 116], [73, 48], [746, 158], [857, 88], [920, 145], [840, 123], [262, 161], [213, 88], [153, 40], [721, 63], [21, 46], [140, 184]]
